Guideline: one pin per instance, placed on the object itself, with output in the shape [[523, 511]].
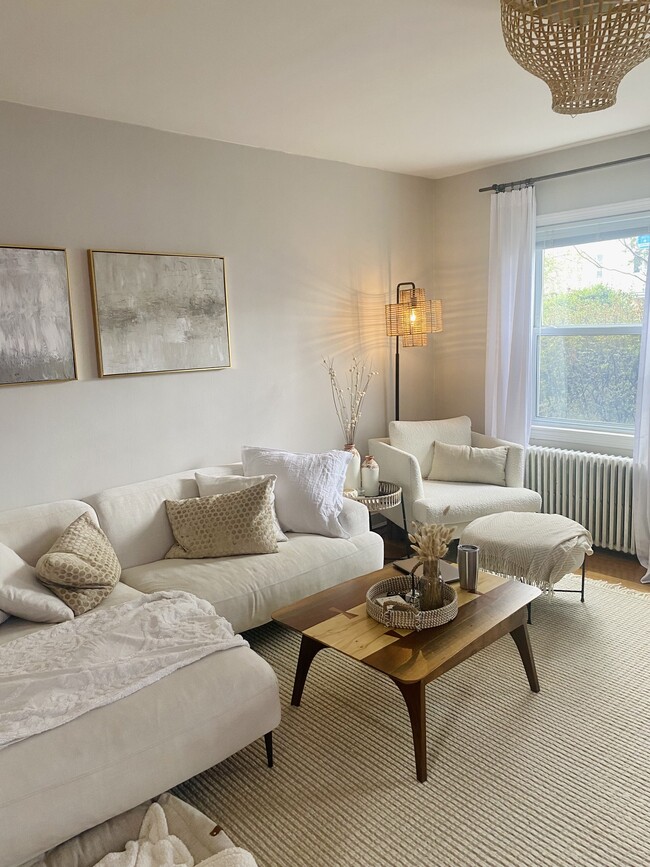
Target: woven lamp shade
[[582, 49], [413, 318]]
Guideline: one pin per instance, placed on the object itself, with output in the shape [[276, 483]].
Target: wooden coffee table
[[337, 618]]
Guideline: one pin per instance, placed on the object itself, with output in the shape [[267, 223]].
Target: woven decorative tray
[[389, 495], [410, 618]]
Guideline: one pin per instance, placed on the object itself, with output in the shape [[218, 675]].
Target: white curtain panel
[[641, 479], [509, 320]]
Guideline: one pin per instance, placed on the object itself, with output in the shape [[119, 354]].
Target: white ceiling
[[424, 87]]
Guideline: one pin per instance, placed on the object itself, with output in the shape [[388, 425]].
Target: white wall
[[462, 225], [313, 250]]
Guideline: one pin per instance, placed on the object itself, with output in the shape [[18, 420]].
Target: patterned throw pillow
[[209, 485], [223, 525], [81, 567]]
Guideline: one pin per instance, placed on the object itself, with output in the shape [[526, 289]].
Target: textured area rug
[[557, 778]]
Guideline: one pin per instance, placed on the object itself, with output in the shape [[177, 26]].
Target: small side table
[[389, 496]]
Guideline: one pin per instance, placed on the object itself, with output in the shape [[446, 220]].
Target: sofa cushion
[[223, 525], [134, 517], [81, 567], [22, 595], [247, 590], [468, 464], [308, 490], [417, 437], [16, 627], [209, 485], [32, 530]]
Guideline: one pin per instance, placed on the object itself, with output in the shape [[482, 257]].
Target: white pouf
[[534, 548]]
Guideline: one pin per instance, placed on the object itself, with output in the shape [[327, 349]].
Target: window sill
[[582, 440]]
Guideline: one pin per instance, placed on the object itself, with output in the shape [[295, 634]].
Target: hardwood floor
[[603, 565], [617, 569]]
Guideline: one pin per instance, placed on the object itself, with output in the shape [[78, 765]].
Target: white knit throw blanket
[[156, 847], [52, 676], [536, 549]]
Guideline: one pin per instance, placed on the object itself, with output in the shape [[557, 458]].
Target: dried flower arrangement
[[430, 542], [348, 400]]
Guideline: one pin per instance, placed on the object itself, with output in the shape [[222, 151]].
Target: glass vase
[[431, 586]]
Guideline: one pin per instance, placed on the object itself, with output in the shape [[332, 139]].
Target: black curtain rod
[[501, 188]]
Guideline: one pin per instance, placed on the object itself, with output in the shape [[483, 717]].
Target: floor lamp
[[411, 319]]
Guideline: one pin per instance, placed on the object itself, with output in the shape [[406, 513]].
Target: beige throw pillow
[[209, 485], [81, 567], [223, 525], [467, 464]]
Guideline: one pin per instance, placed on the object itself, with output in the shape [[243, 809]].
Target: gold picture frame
[[36, 331], [159, 312]]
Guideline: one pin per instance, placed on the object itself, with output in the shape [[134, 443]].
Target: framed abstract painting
[[159, 312], [36, 339]]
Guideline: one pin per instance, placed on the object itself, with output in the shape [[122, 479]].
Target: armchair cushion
[[417, 437], [470, 501], [468, 464]]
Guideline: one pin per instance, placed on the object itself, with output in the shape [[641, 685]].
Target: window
[[589, 298]]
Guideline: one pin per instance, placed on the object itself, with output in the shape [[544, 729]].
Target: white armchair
[[406, 456]]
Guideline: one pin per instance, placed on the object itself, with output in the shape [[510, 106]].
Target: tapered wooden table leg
[[308, 650], [522, 640], [415, 702]]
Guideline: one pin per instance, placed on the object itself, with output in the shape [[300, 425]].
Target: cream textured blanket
[[156, 847], [537, 549], [52, 676]]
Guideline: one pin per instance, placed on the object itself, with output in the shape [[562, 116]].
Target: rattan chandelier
[[582, 49]]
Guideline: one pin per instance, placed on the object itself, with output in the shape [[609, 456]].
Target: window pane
[[588, 378], [600, 283]]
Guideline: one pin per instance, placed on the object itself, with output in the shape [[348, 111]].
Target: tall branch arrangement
[[348, 398]]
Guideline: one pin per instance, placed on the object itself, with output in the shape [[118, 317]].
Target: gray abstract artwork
[[160, 313], [35, 329]]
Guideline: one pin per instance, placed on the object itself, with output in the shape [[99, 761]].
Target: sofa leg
[[268, 741]]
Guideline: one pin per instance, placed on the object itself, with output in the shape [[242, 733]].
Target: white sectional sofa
[[58, 783]]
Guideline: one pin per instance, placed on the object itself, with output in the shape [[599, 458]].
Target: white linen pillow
[[308, 490], [209, 485], [417, 437], [466, 464], [3, 617], [23, 595]]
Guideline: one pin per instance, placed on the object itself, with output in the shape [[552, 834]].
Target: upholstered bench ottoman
[[534, 548]]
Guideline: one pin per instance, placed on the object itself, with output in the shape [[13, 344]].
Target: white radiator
[[594, 490]]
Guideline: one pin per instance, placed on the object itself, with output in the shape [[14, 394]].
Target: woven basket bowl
[[409, 619]]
